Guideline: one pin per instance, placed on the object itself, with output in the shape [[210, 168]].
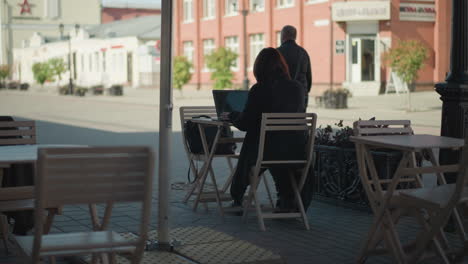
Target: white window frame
[[229, 10], [52, 9], [208, 47], [313, 2], [278, 38], [187, 11], [257, 9], [257, 43], [232, 43], [188, 50], [209, 9], [284, 3]]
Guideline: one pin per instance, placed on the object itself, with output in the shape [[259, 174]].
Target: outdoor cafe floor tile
[[335, 236]]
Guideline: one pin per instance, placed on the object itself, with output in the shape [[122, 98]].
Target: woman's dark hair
[[269, 65]]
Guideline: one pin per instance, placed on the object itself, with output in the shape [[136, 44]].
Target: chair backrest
[[17, 132], [273, 122], [382, 127], [385, 128], [92, 175], [187, 112]]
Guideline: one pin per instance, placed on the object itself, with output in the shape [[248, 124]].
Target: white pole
[[165, 125]]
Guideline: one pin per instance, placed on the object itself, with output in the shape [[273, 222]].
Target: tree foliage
[[182, 74], [407, 58], [58, 67], [221, 62], [4, 72], [42, 72]]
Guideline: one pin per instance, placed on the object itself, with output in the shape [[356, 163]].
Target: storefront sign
[[362, 10], [339, 46], [417, 12]]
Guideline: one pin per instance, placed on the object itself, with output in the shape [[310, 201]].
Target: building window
[[232, 44], [257, 43], [82, 63], [188, 50], [278, 38], [52, 9], [284, 3], [257, 5], [231, 7], [208, 9], [315, 1], [208, 48], [90, 62], [188, 10], [96, 62]]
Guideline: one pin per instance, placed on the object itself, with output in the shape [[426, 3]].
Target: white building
[[122, 52]]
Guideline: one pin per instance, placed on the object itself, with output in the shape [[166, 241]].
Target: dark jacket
[[298, 62], [280, 96]]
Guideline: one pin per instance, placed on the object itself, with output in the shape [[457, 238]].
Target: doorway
[[363, 58]]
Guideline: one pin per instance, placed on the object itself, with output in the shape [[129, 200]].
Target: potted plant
[[97, 89], [336, 171], [4, 72], [334, 98], [116, 90], [64, 90], [81, 91], [24, 86]]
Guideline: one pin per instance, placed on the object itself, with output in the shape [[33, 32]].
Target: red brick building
[[345, 39], [113, 12]]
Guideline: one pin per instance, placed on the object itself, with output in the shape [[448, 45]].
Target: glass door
[[362, 59]]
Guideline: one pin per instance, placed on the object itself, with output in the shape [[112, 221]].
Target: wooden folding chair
[[276, 122], [376, 189], [16, 198], [71, 176], [187, 113]]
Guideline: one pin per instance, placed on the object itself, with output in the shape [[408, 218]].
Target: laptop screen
[[230, 100]]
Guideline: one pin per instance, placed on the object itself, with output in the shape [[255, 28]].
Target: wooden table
[[219, 195], [379, 199], [27, 154]]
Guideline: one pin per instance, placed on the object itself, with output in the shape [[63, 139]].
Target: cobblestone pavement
[[336, 232]]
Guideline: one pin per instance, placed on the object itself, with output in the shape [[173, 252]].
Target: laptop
[[229, 101]]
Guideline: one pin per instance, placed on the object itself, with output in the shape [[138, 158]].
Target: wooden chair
[[16, 198], [438, 204], [187, 113], [376, 189], [71, 176], [274, 122]]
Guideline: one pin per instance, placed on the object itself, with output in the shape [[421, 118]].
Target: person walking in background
[[297, 59]]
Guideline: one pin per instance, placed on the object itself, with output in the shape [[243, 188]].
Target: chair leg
[[299, 201], [112, 258], [229, 180], [49, 220], [196, 181], [270, 198], [218, 197], [247, 204], [4, 230], [259, 211]]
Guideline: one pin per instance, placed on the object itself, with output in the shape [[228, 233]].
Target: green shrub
[[4, 72], [182, 74], [42, 72], [58, 67], [221, 62]]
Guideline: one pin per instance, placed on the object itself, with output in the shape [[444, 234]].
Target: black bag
[[192, 135]]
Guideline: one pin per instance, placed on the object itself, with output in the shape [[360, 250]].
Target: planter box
[[337, 174], [116, 90]]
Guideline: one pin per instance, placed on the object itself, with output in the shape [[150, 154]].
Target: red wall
[[110, 14]]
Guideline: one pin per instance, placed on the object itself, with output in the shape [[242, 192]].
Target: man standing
[[297, 59]]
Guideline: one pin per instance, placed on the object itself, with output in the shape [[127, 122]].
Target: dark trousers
[[283, 186]]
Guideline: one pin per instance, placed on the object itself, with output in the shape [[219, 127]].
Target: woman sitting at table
[[274, 92]]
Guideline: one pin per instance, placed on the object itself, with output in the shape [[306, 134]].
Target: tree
[[58, 68], [42, 72], [221, 62], [4, 72], [182, 74], [406, 59]]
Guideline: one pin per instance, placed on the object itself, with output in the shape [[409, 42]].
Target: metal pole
[[245, 12], [69, 65], [165, 125]]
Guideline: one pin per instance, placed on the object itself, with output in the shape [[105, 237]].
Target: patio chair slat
[[18, 141], [386, 131], [21, 132], [17, 124]]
